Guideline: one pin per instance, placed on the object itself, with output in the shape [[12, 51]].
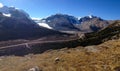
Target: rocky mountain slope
[[16, 24], [63, 22], [91, 24], [13, 12], [109, 33]]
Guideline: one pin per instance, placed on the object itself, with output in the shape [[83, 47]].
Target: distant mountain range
[[16, 24], [63, 22], [59, 22]]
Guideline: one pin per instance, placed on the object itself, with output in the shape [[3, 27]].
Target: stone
[[36, 68], [57, 60], [91, 49]]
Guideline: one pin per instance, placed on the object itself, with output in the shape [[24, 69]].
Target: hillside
[[103, 57], [109, 33]]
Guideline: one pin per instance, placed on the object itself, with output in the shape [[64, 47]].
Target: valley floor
[[103, 57]]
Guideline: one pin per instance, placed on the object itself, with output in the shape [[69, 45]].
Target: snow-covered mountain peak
[[79, 18], [13, 12], [90, 16]]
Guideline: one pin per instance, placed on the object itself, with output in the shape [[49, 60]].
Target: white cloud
[[1, 5]]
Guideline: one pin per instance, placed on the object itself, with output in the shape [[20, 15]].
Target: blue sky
[[107, 9]]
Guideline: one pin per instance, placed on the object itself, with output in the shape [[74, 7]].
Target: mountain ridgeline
[[91, 24], [16, 24], [63, 22]]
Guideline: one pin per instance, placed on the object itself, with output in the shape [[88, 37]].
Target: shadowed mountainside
[[13, 28]]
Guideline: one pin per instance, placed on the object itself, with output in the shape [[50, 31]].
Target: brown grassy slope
[[103, 57]]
